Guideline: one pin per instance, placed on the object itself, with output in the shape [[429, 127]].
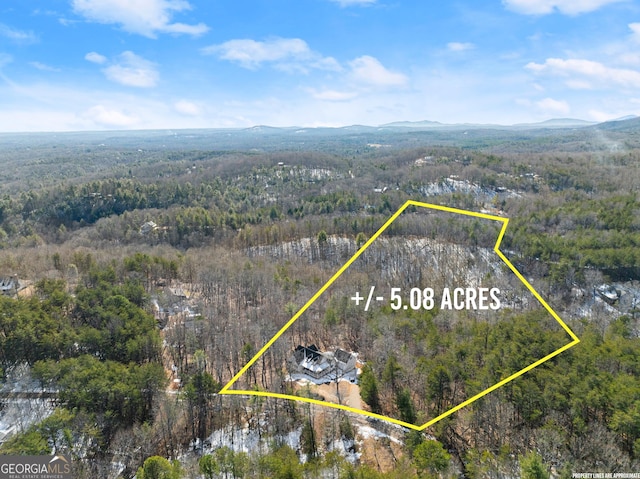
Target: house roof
[[7, 284], [303, 353], [317, 365], [342, 355]]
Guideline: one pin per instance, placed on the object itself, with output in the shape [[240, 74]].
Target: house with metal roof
[[9, 285], [321, 366]]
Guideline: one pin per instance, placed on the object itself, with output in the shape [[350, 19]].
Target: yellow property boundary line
[[505, 221]]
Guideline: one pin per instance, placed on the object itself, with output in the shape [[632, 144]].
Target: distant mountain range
[[552, 123], [562, 126], [428, 125], [626, 123]]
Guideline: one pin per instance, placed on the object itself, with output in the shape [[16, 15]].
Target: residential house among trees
[[324, 366], [345, 361], [9, 285]]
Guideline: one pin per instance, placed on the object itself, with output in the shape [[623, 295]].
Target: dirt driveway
[[349, 393]]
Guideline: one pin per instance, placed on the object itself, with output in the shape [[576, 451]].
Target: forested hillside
[[152, 266]]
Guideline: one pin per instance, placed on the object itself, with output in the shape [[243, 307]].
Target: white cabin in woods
[[345, 361], [323, 366], [148, 227], [10, 285]]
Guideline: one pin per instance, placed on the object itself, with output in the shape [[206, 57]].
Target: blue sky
[[141, 64]]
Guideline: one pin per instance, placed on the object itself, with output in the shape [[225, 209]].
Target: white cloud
[[132, 70], [188, 108], [251, 53], [567, 7], [460, 47], [635, 31], [350, 3], [65, 22], [547, 107], [94, 57], [52, 106], [630, 58], [576, 84], [553, 107], [333, 95], [143, 17], [600, 116], [594, 71], [17, 36], [304, 66], [5, 59], [43, 67], [289, 54], [369, 71], [103, 116]]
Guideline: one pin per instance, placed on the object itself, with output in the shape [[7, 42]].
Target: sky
[[75, 65]]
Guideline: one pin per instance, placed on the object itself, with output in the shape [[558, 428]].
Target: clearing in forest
[[425, 318]]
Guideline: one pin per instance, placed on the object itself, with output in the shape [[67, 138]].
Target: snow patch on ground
[[248, 440], [19, 413], [346, 448], [368, 432], [304, 379], [452, 185]]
